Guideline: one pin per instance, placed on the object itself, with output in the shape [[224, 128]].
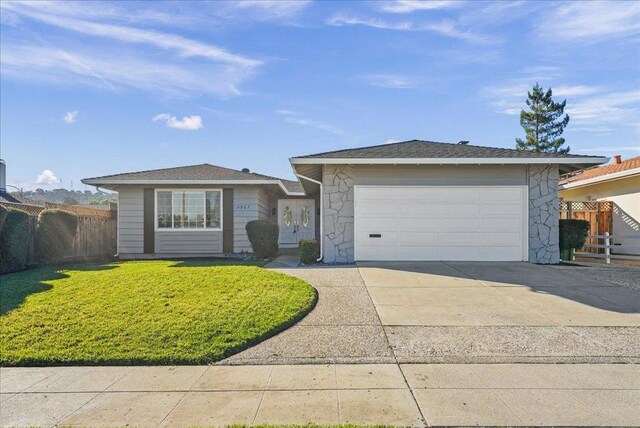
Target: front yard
[[144, 312]]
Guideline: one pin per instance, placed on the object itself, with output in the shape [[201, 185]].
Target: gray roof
[[292, 186], [204, 172], [418, 149]]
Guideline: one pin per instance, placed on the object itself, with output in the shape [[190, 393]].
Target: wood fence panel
[[96, 233], [598, 214], [95, 238]]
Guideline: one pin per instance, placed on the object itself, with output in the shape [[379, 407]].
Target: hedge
[[263, 235], [3, 215], [309, 251], [573, 233], [54, 236], [14, 241]]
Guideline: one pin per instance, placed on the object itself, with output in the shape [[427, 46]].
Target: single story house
[[413, 200], [618, 182]]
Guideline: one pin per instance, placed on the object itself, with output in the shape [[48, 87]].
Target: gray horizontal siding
[[191, 242], [130, 220], [441, 175], [265, 204], [245, 209]]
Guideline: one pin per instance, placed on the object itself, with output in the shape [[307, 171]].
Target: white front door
[[296, 219]]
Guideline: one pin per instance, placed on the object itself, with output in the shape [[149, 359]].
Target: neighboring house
[[415, 200], [619, 183]]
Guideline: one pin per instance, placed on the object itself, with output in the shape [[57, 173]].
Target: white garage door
[[440, 223]]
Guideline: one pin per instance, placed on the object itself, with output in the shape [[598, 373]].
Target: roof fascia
[[446, 161], [109, 182], [600, 179]]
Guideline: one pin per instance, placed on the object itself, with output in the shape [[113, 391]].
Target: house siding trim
[[149, 209], [227, 220]]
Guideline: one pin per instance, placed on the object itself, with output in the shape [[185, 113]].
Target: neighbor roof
[[418, 149], [193, 173], [602, 171]]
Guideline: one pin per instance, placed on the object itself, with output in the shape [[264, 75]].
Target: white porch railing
[[607, 245]]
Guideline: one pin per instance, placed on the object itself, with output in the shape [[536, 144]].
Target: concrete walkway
[[405, 395], [343, 327], [288, 258]]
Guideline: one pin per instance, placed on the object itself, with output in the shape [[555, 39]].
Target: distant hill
[[70, 197]]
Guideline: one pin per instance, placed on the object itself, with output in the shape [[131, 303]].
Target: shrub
[[309, 251], [573, 233], [14, 241], [263, 235], [56, 230], [3, 215]]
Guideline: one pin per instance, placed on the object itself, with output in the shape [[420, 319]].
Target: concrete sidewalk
[[406, 395]]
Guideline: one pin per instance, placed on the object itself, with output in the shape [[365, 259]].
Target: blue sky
[[95, 88]]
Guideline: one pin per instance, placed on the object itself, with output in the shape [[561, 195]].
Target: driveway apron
[[471, 312]]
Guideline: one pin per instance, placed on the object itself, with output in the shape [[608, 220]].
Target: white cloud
[[340, 20], [183, 46], [70, 117], [188, 123], [574, 90], [47, 178], [409, 6], [591, 108], [297, 119], [444, 28], [166, 63], [453, 30], [102, 10], [596, 129], [391, 81], [613, 107], [591, 21], [267, 10], [116, 70]]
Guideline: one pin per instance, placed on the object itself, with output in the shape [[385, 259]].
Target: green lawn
[[144, 312]]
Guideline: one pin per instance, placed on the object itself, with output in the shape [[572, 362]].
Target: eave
[[110, 183], [600, 179], [449, 161]]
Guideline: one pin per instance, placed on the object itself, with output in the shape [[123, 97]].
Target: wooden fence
[[597, 213], [96, 233]]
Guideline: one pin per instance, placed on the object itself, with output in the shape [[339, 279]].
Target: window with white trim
[[189, 209]]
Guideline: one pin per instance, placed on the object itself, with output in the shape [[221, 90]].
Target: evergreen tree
[[543, 123]]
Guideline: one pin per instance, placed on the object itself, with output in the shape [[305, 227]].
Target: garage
[[423, 200], [422, 223]]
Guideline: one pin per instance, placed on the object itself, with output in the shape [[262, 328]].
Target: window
[[189, 209], [304, 216], [287, 216]]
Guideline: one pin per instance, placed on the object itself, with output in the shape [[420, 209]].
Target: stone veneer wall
[[338, 200], [544, 213]]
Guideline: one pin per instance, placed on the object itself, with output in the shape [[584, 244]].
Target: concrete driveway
[[457, 313], [501, 312], [479, 294]]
